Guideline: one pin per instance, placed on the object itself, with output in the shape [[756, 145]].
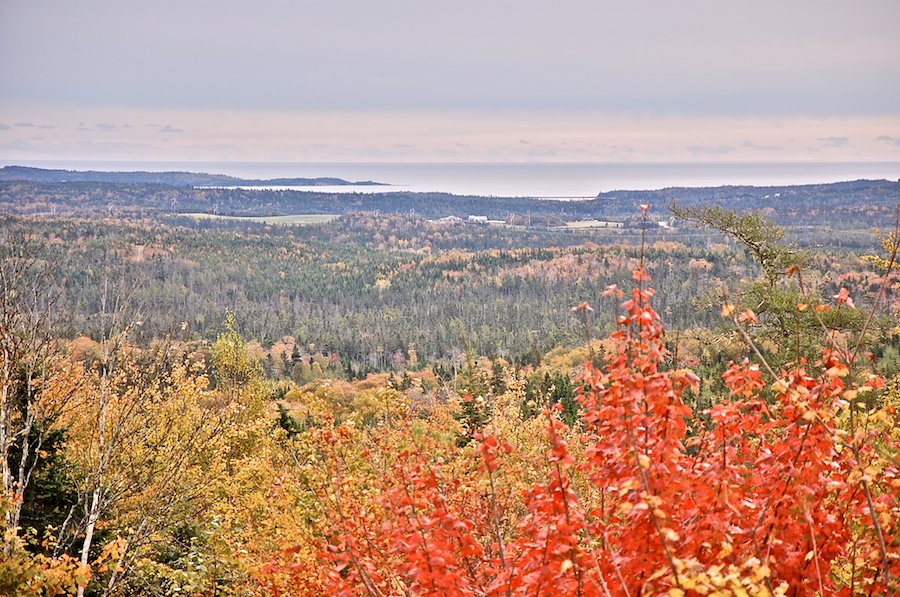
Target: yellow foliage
[[27, 574]]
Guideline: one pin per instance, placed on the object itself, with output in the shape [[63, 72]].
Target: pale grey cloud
[[4, 127], [99, 127], [27, 125], [762, 147], [834, 141], [768, 57], [720, 150], [884, 138], [169, 129]]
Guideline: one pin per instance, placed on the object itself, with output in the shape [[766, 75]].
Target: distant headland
[[186, 179]]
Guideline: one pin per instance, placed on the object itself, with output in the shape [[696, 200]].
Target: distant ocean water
[[556, 180]]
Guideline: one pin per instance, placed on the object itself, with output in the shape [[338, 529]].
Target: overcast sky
[[460, 80]]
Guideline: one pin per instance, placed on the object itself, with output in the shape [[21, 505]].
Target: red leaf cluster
[[770, 493]]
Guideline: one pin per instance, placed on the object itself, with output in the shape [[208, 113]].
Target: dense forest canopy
[[370, 286]]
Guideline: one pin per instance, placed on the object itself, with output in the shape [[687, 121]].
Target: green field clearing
[[294, 220], [593, 224]]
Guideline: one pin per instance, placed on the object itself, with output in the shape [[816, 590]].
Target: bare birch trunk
[[94, 512], [4, 443], [89, 532]]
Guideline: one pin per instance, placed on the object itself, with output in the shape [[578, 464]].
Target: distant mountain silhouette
[[187, 179]]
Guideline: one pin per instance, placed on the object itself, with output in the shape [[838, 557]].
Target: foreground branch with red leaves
[[775, 490]]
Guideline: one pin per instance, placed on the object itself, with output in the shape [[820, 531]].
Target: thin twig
[[812, 535]]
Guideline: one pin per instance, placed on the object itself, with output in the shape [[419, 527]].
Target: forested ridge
[[812, 203], [696, 396]]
